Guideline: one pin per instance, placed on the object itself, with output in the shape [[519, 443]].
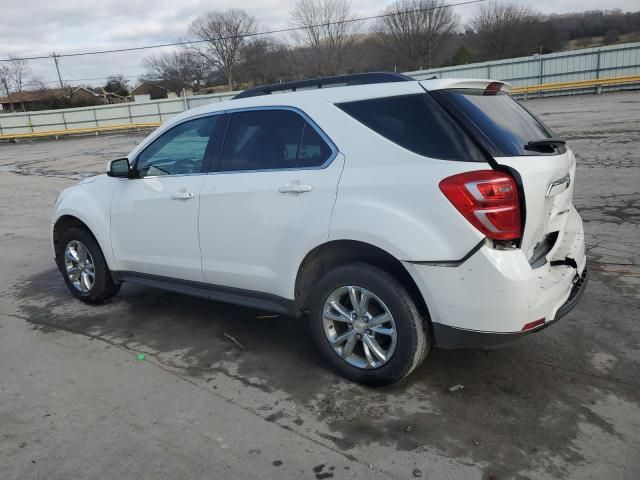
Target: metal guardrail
[[81, 131], [598, 82], [99, 118]]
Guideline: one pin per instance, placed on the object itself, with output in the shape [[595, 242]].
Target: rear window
[[417, 123], [502, 121]]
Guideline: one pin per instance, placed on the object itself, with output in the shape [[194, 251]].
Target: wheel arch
[[331, 254], [67, 221]]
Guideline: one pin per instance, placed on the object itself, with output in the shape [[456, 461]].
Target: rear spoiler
[[493, 86]]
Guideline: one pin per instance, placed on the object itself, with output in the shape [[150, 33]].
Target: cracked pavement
[[75, 402]]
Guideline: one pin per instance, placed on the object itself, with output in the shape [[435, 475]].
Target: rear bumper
[[452, 337], [490, 297]]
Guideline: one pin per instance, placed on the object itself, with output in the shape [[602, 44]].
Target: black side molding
[[452, 337], [236, 296]]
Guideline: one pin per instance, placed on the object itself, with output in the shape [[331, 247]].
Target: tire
[[411, 334], [102, 287]]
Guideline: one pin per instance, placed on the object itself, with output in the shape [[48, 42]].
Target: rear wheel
[[83, 267], [366, 325]]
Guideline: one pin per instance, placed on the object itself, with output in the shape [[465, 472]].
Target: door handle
[[183, 195], [295, 188]]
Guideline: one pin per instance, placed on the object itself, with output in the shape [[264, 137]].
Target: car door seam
[[335, 199]]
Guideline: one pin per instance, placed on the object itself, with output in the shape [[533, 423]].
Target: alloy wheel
[[79, 266], [359, 327]]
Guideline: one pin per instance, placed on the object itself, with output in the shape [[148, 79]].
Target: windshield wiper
[[545, 144]]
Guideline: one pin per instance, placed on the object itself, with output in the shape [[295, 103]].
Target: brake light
[[493, 88], [488, 199]]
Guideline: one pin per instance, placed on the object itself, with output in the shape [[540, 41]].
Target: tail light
[[488, 199]]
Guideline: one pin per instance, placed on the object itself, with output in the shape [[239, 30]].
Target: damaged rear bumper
[[496, 295], [452, 337]]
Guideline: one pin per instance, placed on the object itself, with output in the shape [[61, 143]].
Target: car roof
[[337, 94], [333, 95]]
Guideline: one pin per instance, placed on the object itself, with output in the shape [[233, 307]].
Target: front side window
[[179, 151], [417, 123], [271, 139]]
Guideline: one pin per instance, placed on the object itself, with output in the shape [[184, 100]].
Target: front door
[[154, 218]]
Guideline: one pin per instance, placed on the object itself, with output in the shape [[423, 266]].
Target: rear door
[[269, 200], [546, 169]]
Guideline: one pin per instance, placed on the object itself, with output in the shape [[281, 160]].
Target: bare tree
[[4, 80], [266, 60], [222, 36], [18, 73], [177, 70], [327, 29], [414, 31], [117, 84], [509, 30], [14, 77]]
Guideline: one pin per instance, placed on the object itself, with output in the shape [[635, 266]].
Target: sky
[[39, 27]]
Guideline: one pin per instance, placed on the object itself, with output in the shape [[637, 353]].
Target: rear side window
[[502, 121], [417, 123], [262, 140]]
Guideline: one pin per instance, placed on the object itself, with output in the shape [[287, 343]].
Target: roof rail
[[340, 80]]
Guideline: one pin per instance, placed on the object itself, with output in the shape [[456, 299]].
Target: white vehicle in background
[[396, 214]]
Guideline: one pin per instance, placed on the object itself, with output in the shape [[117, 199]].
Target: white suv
[[397, 214]]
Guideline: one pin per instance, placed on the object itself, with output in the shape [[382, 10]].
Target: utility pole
[[55, 59]]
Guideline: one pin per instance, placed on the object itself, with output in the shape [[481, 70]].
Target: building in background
[[150, 90], [53, 98]]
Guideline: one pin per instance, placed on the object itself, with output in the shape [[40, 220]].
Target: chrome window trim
[[309, 121]]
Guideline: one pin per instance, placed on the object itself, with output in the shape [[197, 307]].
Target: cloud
[[38, 27]]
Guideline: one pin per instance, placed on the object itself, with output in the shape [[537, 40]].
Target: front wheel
[[366, 325], [83, 267]]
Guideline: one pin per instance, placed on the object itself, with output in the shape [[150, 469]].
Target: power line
[[92, 79], [246, 35]]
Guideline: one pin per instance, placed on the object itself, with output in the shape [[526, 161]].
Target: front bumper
[[490, 297]]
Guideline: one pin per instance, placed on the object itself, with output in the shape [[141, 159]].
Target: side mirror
[[119, 168]]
